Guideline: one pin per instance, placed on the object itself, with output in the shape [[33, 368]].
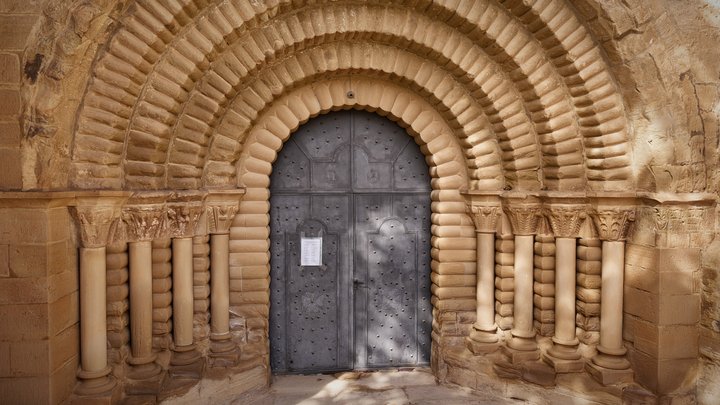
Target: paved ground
[[416, 387]]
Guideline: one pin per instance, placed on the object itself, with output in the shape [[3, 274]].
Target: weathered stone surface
[[517, 96]]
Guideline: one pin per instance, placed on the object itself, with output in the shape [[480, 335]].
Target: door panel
[[309, 323], [359, 181], [393, 314]]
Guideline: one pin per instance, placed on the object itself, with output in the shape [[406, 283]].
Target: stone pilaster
[[485, 210], [609, 365], [221, 207]]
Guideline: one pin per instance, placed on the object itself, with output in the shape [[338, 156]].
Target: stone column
[[524, 216], [485, 211], [145, 219], [609, 365], [221, 207], [184, 212], [96, 218], [565, 221]]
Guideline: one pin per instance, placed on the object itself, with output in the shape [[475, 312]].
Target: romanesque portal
[[522, 190]]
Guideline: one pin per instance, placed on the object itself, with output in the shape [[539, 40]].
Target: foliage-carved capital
[[485, 216], [96, 223], [144, 222], [524, 218], [566, 221], [183, 219], [613, 224], [221, 207]]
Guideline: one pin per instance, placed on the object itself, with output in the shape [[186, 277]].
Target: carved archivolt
[[170, 107]]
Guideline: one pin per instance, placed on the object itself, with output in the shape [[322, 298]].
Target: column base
[[515, 356], [482, 340], [98, 383], [143, 367], [607, 376], [564, 356], [186, 362], [223, 351], [144, 376], [148, 386], [110, 397], [535, 372], [613, 359], [523, 341], [184, 355], [562, 366]]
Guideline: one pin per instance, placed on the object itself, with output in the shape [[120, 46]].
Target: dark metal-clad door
[[359, 182]]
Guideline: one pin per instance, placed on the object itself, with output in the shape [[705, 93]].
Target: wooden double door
[[350, 247]]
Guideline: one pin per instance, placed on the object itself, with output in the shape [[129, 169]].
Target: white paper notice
[[311, 251]]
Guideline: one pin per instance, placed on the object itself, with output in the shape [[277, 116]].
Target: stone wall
[[67, 100], [38, 301]]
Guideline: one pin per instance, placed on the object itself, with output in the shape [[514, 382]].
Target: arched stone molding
[[196, 36], [483, 156], [453, 243]]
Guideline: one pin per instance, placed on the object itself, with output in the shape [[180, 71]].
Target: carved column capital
[[524, 218], [566, 220], [484, 208], [613, 224], [220, 209], [184, 211], [485, 217], [145, 217], [97, 218]]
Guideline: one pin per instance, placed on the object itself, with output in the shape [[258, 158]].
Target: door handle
[[359, 283]]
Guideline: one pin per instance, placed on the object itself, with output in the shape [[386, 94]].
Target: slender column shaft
[[485, 281], [182, 275], [523, 299], [611, 305], [93, 313], [141, 301], [563, 355], [565, 290], [219, 284]]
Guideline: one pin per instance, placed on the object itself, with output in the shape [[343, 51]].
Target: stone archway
[[514, 105], [447, 173]]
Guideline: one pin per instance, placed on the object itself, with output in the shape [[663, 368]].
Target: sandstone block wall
[[494, 91], [38, 303]]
